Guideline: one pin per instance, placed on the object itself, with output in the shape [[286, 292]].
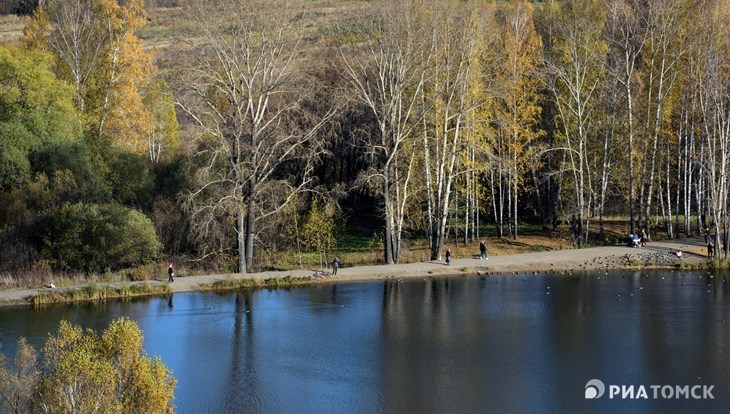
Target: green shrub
[[74, 171], [143, 272], [93, 237], [34, 106], [131, 178]]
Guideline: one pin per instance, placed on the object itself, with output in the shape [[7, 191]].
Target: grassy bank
[[95, 292], [255, 283], [42, 275], [714, 264]]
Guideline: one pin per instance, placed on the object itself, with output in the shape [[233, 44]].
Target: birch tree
[[665, 49], [164, 132], [120, 116], [715, 107], [575, 71], [253, 104], [98, 52], [519, 111], [626, 39], [386, 74], [455, 69], [691, 149], [76, 39]]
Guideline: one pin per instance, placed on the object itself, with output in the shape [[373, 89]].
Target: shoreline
[[661, 254]]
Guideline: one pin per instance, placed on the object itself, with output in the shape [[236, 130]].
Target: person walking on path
[[483, 250], [335, 265], [170, 273], [448, 256]]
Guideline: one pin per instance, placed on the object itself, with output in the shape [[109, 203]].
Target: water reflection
[[491, 344]]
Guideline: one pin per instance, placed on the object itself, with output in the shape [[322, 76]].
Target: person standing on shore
[[483, 250], [170, 273], [335, 265], [448, 256]]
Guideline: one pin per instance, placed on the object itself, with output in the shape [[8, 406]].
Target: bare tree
[[386, 74], [78, 40], [254, 104]]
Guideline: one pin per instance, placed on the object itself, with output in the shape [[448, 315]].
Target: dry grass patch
[[93, 292], [11, 28]]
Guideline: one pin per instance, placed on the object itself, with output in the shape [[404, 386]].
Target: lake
[[518, 343]]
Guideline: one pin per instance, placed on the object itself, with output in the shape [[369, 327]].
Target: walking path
[[655, 254]]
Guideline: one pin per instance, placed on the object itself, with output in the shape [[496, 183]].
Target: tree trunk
[[514, 211], [250, 224], [494, 202], [389, 227], [241, 242]]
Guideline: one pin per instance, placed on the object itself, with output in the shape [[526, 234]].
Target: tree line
[[269, 121]]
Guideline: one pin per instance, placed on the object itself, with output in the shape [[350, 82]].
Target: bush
[[93, 237], [131, 178], [78, 161], [145, 272]]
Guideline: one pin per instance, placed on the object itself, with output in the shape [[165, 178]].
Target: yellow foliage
[[518, 109], [83, 372], [36, 31], [124, 120], [106, 63]]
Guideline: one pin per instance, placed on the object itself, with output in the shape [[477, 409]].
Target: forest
[[229, 135]]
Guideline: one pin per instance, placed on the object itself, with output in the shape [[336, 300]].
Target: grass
[[94, 292], [253, 283], [41, 275], [357, 248], [714, 264], [11, 28], [231, 284]]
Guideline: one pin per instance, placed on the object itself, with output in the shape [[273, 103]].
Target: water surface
[[464, 344]]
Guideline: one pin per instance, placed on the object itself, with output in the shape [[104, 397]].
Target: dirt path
[[655, 254]]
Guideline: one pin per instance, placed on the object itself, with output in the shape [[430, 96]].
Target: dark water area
[[507, 344]]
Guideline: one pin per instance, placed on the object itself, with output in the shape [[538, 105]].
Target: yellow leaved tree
[[98, 52], [84, 372], [518, 108]]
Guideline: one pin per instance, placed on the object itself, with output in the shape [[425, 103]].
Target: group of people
[[637, 240]]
